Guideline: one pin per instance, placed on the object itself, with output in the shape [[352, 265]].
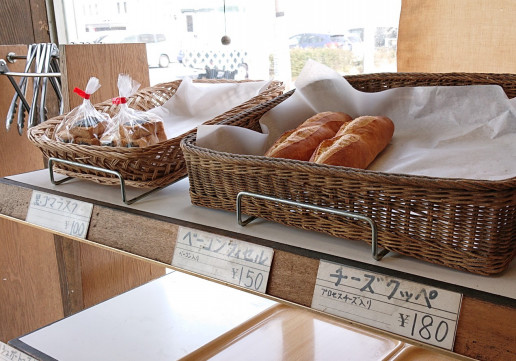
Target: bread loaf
[[301, 142], [356, 144], [89, 127], [82, 131], [141, 132]]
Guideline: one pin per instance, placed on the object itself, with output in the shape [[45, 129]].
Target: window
[[277, 37]]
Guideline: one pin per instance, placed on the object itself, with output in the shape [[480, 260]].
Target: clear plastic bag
[[84, 124], [131, 127]]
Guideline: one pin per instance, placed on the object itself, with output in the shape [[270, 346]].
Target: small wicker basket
[[464, 224], [149, 167]]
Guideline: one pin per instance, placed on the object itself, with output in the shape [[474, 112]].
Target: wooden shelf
[[148, 230], [228, 325]]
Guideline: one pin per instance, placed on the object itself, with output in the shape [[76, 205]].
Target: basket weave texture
[[154, 166], [468, 225]]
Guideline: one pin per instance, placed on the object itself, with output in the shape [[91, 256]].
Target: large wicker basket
[[149, 167], [463, 224]]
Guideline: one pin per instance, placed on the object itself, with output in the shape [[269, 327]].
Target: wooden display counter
[[149, 230], [171, 318]]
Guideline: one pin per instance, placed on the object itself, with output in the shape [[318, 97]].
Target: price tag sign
[[230, 260], [417, 311], [8, 353], [61, 214]]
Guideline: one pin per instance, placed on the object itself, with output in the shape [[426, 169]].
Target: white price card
[[8, 353], [60, 214], [226, 259], [417, 311]]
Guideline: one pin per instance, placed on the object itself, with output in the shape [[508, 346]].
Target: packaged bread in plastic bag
[[131, 127], [84, 124]]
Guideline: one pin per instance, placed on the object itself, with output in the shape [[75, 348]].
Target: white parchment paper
[[452, 132], [196, 103]]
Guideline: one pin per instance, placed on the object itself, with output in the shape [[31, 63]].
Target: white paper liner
[[450, 131], [196, 103]]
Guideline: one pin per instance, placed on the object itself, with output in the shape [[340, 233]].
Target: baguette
[[356, 144], [302, 141]]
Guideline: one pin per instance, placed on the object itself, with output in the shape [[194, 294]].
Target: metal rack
[[42, 65], [51, 162], [376, 253]]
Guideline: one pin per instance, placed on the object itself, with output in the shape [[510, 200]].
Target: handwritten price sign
[[7, 353], [61, 214], [230, 260], [410, 309]]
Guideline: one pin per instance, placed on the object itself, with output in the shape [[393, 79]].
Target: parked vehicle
[[160, 51], [350, 42]]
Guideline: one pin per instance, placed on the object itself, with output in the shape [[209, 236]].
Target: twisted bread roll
[[356, 144], [301, 142]]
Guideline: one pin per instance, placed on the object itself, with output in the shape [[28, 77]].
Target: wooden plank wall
[[23, 22], [82, 61], [104, 274], [42, 277], [17, 154], [30, 284]]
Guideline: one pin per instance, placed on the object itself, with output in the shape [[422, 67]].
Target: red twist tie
[[82, 93], [119, 100]]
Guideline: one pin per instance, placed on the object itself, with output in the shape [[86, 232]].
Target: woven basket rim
[[53, 122], [159, 164], [466, 224], [451, 74], [188, 143], [486, 78]]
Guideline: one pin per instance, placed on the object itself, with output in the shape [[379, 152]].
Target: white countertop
[[174, 202], [165, 319]]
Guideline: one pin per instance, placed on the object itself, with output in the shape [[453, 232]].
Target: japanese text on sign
[[61, 214], [413, 310], [8, 353], [237, 262]]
